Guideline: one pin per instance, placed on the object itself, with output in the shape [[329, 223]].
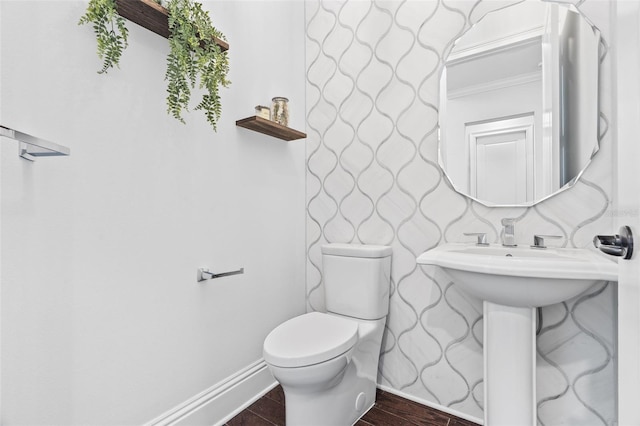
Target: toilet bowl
[[327, 363], [311, 352]]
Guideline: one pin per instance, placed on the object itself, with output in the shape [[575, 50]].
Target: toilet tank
[[357, 279]]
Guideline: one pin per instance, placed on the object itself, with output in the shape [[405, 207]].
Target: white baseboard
[[439, 407], [222, 401]]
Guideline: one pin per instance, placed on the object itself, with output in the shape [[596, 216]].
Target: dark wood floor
[[389, 410]]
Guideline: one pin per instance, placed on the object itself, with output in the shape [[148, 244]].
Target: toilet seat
[[309, 339]]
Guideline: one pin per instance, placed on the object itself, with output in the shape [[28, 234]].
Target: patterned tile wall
[[372, 177]]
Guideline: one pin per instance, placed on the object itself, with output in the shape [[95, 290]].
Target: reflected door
[[501, 160], [501, 172]]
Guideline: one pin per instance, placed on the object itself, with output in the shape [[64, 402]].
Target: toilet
[[327, 363]]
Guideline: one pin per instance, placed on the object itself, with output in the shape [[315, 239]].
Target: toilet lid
[[309, 339]]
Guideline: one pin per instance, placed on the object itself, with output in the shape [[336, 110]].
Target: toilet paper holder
[[204, 274]]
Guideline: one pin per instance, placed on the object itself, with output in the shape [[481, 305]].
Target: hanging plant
[[194, 53], [195, 57], [111, 31]]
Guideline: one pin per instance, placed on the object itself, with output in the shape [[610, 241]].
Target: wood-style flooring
[[389, 410]]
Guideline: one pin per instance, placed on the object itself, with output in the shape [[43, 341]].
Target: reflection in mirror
[[519, 104]]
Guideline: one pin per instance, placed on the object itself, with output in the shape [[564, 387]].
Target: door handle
[[616, 245]]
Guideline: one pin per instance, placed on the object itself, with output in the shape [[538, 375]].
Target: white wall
[[102, 319]]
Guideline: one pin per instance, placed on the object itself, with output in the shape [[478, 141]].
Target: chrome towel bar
[[31, 147], [204, 274]]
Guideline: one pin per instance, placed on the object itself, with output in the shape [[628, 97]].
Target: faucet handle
[[482, 237], [538, 240]]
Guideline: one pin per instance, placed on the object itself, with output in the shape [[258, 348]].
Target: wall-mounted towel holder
[[31, 147], [204, 274]]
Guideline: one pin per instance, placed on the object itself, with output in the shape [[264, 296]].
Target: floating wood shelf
[[271, 128], [152, 16]]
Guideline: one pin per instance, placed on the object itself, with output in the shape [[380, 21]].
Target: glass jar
[[263, 112], [280, 110]]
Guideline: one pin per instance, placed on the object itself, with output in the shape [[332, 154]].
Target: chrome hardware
[[31, 147], [616, 245], [538, 240], [204, 274], [508, 232], [482, 237], [539, 321]]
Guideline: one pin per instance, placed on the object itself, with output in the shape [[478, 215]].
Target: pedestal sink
[[513, 282]]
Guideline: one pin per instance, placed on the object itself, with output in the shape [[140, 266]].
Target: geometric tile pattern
[[372, 72]]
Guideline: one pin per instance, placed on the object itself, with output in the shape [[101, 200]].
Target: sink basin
[[521, 276]]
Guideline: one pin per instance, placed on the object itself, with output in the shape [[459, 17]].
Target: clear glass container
[[263, 111], [280, 110]]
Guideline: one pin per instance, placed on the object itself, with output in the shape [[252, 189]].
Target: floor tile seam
[[263, 418], [396, 415], [273, 399], [442, 414]]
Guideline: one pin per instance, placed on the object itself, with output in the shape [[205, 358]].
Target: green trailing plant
[[194, 58], [194, 55], [111, 31]]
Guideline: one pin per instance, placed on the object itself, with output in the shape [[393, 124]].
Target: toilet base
[[342, 405], [351, 397]]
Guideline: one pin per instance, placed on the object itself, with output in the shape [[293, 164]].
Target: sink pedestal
[[512, 281], [509, 365]]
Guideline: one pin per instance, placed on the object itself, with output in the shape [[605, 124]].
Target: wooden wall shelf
[[271, 128], [152, 16]]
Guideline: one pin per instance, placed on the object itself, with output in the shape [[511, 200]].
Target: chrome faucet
[[508, 232]]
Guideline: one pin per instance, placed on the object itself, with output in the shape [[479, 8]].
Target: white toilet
[[327, 364]]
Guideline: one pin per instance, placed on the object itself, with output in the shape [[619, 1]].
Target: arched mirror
[[519, 104]]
